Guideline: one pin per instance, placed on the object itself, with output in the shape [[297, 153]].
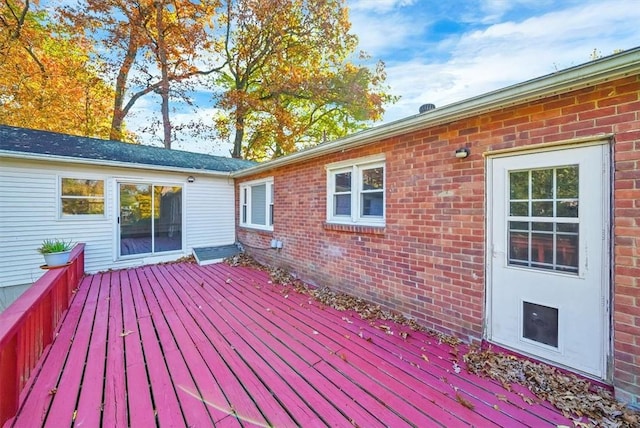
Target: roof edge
[[577, 77], [109, 163]]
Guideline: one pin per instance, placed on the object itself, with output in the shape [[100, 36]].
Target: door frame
[[607, 245], [116, 211]]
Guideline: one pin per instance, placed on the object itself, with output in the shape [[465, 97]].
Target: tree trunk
[[237, 142], [164, 85], [121, 87]]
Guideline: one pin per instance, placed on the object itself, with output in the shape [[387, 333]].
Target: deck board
[[188, 345], [139, 399]]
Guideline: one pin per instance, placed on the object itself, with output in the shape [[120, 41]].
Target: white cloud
[[510, 52], [379, 5], [384, 33]]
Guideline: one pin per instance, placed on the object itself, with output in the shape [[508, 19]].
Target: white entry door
[[548, 278]]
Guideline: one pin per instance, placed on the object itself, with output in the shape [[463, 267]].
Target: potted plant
[[56, 252]]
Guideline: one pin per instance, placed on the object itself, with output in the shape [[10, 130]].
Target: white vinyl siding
[[256, 204], [356, 192], [209, 212], [30, 212]]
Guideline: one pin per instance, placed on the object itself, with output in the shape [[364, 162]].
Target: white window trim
[[269, 202], [355, 166], [76, 217]]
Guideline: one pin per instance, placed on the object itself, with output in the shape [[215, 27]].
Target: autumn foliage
[[281, 74], [290, 80], [47, 80]]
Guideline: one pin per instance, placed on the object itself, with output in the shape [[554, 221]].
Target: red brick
[[428, 262]]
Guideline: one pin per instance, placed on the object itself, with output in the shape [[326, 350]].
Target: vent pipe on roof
[[426, 107]]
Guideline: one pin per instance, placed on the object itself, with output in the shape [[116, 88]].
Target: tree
[[46, 80], [288, 81], [150, 46]]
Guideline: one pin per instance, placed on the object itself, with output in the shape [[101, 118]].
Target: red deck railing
[[27, 327]]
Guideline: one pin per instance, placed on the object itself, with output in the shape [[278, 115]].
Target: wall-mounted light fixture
[[191, 179], [463, 152]]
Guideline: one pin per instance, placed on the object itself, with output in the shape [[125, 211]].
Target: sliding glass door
[[150, 218]]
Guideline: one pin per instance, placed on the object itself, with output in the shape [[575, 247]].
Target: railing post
[[9, 376]]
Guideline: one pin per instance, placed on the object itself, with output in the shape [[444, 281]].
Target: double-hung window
[[256, 204], [79, 196], [355, 192]]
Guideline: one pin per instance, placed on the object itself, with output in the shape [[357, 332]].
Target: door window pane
[[135, 219], [518, 248], [542, 184], [167, 218], [550, 239], [567, 182], [542, 209], [150, 218], [567, 209], [519, 208], [519, 188]]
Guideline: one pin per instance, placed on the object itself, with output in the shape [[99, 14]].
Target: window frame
[[356, 167], [246, 208], [61, 197]]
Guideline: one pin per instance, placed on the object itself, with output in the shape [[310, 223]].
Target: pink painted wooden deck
[[198, 346]]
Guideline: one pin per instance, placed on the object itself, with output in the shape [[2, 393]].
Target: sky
[[442, 51], [445, 51]]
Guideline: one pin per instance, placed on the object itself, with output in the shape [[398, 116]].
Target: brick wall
[[428, 262]]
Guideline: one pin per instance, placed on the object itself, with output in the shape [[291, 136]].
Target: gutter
[[111, 164], [609, 68]]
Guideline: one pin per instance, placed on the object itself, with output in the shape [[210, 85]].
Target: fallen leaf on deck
[[126, 333], [527, 400], [53, 391], [460, 399], [581, 424], [424, 357], [575, 397]]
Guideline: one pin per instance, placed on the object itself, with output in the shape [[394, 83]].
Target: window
[[256, 204], [355, 192], [544, 228], [81, 197]]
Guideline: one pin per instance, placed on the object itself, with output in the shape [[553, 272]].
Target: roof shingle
[[68, 146]]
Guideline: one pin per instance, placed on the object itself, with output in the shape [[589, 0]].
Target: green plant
[[55, 246]]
